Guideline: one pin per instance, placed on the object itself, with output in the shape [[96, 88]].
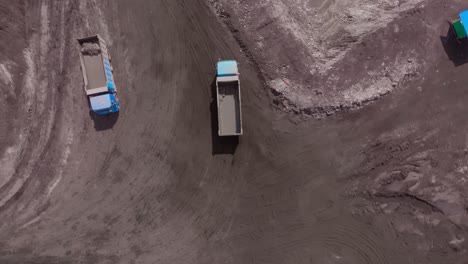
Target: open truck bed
[[93, 54], [229, 106], [94, 73]]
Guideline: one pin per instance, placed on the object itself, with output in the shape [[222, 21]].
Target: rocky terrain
[[323, 56]]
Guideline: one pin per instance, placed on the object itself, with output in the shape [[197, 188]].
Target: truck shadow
[[104, 122], [220, 145], [457, 50]]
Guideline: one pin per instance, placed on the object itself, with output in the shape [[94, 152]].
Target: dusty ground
[[384, 184]]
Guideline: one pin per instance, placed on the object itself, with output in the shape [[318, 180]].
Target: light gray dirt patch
[[320, 57]]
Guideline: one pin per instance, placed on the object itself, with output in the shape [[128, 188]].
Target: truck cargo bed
[[94, 71], [229, 108], [93, 51]]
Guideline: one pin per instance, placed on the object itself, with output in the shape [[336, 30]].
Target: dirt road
[[156, 185]]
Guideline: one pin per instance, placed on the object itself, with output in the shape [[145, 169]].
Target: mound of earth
[[323, 56], [91, 49]]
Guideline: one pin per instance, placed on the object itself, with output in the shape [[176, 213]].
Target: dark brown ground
[[385, 184]]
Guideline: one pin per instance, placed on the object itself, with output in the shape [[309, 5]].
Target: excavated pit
[[323, 56]]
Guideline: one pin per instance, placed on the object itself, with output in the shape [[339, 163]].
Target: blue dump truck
[[460, 25], [229, 99], [97, 73]]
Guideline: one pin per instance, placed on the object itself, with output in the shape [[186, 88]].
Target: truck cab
[[104, 104], [460, 25]]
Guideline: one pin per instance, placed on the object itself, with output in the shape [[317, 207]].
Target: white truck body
[[229, 99], [95, 75]]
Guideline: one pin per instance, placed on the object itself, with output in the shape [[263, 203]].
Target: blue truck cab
[[460, 25], [104, 104], [227, 68]]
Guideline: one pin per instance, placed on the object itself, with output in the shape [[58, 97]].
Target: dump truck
[[97, 74], [228, 98], [460, 25]]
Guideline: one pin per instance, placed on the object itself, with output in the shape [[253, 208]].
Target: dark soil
[[383, 184]]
